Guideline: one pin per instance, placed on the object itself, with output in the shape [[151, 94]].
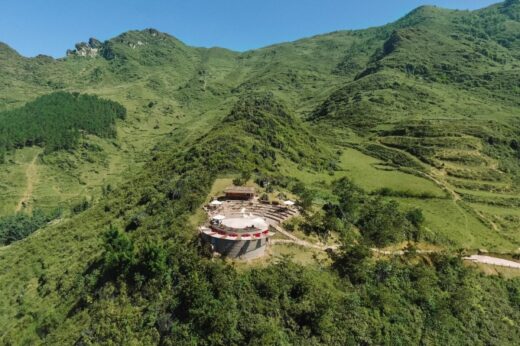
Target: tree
[[316, 223], [382, 223], [119, 253], [305, 199], [152, 261], [349, 197], [351, 262], [56, 121], [416, 218]]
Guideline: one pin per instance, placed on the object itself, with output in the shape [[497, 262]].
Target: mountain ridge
[[420, 11]]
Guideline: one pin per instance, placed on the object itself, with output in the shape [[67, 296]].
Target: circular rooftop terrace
[[245, 223]]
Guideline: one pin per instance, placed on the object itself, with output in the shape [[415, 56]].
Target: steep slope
[[152, 91], [432, 65], [444, 88]]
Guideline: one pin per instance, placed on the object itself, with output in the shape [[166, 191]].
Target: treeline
[[21, 225], [55, 121], [183, 298]]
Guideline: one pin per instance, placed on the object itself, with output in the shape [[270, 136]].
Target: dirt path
[[31, 172], [493, 261], [295, 240], [473, 258], [435, 176]]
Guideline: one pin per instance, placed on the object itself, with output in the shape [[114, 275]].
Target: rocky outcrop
[[84, 49]]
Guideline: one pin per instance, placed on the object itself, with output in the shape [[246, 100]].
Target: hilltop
[[402, 135]]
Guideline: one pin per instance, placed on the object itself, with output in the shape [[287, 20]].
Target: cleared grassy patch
[[299, 254], [371, 174], [489, 269], [368, 172], [450, 224]]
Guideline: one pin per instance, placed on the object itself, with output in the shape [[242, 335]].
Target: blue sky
[[52, 26]]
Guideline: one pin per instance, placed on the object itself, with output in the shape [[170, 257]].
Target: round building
[[243, 236]]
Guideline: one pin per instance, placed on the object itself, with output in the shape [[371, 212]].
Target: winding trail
[[457, 199], [31, 172], [473, 258]]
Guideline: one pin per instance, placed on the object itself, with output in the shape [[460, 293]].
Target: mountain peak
[[137, 38]]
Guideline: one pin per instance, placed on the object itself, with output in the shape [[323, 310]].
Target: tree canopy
[[56, 121]]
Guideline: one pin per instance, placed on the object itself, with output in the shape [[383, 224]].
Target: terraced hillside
[[435, 92]]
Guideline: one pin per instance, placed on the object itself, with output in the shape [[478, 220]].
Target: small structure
[[289, 203], [243, 236], [240, 192], [215, 204]]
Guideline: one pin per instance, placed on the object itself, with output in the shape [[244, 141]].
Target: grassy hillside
[[78, 282], [423, 111], [442, 89]]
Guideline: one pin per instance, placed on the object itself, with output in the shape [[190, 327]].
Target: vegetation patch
[[55, 121], [20, 226]]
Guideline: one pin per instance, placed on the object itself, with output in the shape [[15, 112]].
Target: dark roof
[[240, 189]]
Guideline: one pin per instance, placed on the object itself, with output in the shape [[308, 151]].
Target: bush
[[119, 254], [80, 207], [416, 218], [264, 198], [152, 261], [305, 199], [350, 197], [352, 262]]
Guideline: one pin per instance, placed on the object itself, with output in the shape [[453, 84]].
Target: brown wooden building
[[240, 192]]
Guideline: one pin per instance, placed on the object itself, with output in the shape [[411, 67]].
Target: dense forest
[[56, 121]]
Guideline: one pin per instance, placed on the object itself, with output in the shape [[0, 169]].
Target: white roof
[[216, 202], [245, 222], [218, 217], [288, 202]]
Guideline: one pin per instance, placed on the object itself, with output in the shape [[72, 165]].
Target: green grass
[[503, 211], [13, 179], [450, 224], [297, 253], [369, 173]]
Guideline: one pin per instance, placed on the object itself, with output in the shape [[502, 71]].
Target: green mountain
[[402, 135]]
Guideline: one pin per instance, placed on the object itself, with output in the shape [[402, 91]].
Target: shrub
[[119, 254], [80, 207], [352, 262]]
